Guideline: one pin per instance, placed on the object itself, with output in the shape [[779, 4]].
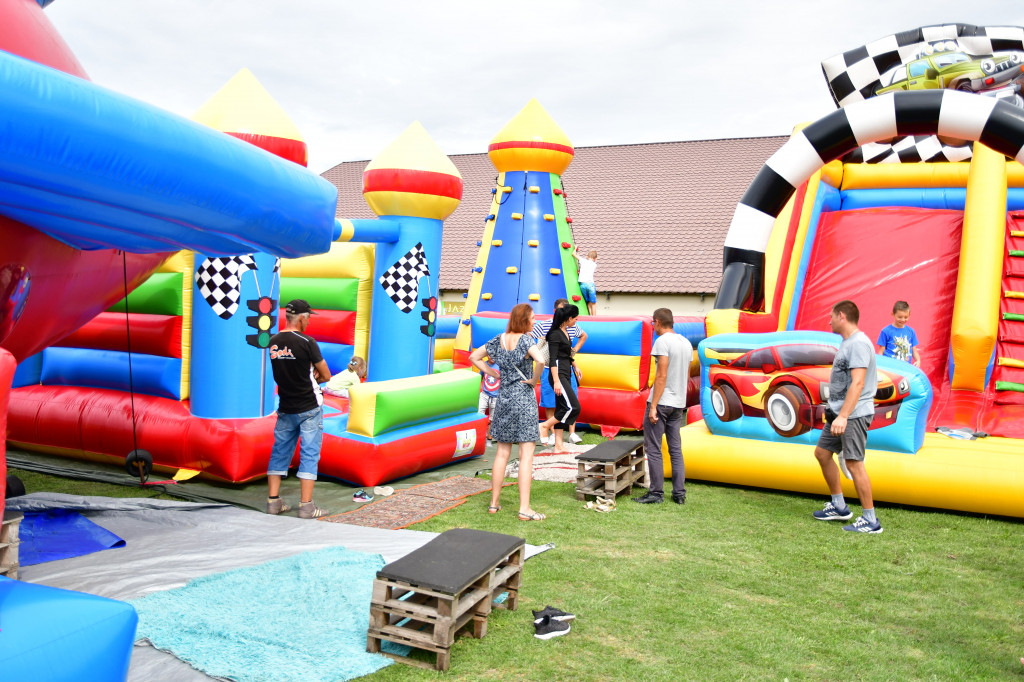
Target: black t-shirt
[[560, 353], [292, 356]]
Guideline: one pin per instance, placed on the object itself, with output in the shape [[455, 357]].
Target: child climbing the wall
[[587, 266], [899, 340], [489, 395], [340, 383]]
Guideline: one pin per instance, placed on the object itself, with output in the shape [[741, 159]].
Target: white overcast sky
[[354, 75]]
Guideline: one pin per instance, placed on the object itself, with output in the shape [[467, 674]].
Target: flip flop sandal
[[531, 517], [494, 510]]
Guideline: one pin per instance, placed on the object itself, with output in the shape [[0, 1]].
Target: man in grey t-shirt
[[665, 409], [851, 407]]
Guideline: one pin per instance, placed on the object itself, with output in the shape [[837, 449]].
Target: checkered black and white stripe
[[911, 149], [856, 74], [220, 282], [401, 280], [963, 115]]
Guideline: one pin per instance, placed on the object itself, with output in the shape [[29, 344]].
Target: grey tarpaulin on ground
[[169, 543]]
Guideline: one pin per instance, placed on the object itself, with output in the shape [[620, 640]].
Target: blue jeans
[[289, 427], [589, 292]]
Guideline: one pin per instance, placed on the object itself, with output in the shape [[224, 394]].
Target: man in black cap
[[298, 370]]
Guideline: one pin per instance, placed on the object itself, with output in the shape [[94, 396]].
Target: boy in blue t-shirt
[[899, 340]]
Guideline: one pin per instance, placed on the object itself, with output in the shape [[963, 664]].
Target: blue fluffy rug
[[301, 618]]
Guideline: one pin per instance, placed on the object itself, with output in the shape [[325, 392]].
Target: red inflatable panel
[[68, 287], [331, 326], [27, 32], [97, 424], [150, 334], [7, 366], [369, 464], [913, 254], [613, 408]]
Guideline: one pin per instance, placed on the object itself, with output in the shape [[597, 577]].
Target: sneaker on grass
[[862, 525], [548, 628], [551, 612], [830, 513], [574, 438]]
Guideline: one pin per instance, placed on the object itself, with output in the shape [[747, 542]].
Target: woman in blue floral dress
[[515, 416]]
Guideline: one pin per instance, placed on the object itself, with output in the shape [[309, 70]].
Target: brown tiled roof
[[656, 213]]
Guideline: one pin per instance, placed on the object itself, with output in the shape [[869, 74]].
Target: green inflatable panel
[[158, 295], [321, 292], [437, 396]]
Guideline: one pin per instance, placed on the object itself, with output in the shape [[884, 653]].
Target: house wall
[[610, 303]]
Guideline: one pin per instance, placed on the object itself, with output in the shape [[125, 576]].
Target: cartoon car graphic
[[955, 71], [788, 385]]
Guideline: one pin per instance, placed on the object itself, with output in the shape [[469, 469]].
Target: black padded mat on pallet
[[610, 451], [453, 560]]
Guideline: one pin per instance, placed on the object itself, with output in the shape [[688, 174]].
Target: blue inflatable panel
[[61, 534], [953, 198], [337, 355], [694, 332], [55, 635], [96, 169], [150, 374], [905, 434], [447, 326], [624, 337], [483, 329], [28, 371]]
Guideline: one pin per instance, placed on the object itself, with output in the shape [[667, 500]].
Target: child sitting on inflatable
[[340, 383]]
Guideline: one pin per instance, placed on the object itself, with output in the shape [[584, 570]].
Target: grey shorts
[[853, 441]]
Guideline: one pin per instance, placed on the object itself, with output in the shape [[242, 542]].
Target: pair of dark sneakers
[[652, 498], [550, 622]]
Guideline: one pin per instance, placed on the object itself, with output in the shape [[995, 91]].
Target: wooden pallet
[[429, 596], [610, 468], [9, 544]]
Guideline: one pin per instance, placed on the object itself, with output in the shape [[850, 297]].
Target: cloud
[[354, 76]]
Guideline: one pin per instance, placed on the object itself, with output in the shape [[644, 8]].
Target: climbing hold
[[549, 217], [496, 242], [555, 271], [512, 270], [533, 242], [517, 216], [534, 297], [534, 189], [486, 297]]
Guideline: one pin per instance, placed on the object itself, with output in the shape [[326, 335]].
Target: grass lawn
[[741, 584]]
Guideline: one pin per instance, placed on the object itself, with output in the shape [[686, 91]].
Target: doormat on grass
[[415, 504], [560, 468], [255, 624]]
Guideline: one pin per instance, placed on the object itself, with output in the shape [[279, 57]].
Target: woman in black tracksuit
[[560, 364]]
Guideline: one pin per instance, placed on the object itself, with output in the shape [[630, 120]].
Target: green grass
[[36, 483], [742, 584]]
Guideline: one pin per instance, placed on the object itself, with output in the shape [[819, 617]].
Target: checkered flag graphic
[[220, 282], [401, 281], [856, 74], [909, 149]]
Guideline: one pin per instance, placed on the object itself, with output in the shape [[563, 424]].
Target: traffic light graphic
[[429, 315], [265, 308]]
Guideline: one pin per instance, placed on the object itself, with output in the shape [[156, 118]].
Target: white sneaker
[[574, 438], [550, 440]]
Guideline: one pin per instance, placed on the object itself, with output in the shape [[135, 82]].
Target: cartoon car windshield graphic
[[955, 71], [788, 385]]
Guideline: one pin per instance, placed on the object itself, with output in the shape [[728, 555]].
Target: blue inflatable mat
[[61, 534]]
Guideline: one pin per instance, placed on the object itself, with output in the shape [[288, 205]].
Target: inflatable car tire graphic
[[782, 407], [726, 402]]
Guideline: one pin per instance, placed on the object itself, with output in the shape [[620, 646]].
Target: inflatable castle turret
[[526, 251], [413, 187]]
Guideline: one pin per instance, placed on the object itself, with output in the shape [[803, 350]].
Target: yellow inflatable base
[[985, 476]]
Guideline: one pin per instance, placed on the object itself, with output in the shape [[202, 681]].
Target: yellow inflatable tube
[[976, 307], [981, 476]]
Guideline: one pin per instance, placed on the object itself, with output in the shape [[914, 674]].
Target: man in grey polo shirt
[[851, 407], [665, 409]]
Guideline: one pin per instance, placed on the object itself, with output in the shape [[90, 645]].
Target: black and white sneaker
[[552, 613], [548, 628]]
